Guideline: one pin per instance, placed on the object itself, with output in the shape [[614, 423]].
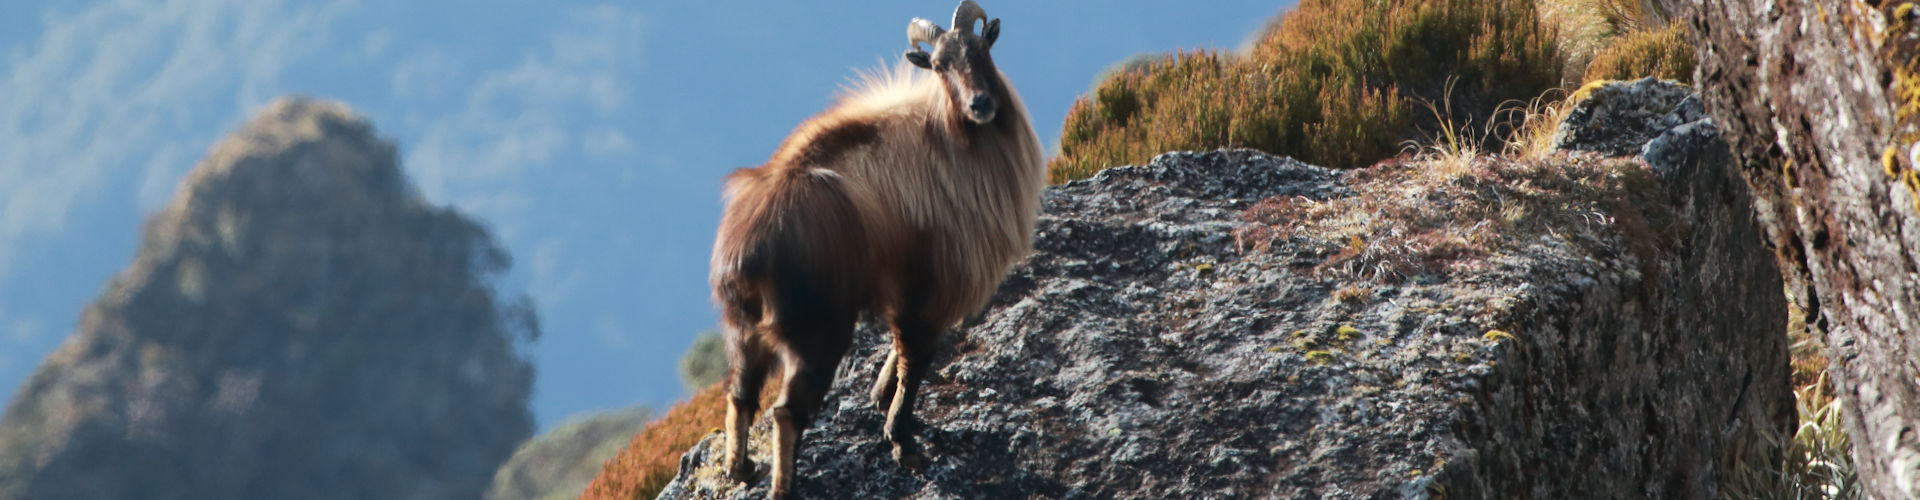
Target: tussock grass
[[1582, 30], [1818, 459], [1661, 53], [1629, 16], [1452, 147], [1619, 40]]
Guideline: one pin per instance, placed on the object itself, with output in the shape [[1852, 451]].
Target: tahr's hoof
[[776, 495], [910, 458], [742, 472]]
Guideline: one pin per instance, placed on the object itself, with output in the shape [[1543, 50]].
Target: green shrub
[[705, 362], [1663, 53], [1319, 86], [558, 464]]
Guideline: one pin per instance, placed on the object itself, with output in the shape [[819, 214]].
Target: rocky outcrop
[[298, 324], [1231, 324], [1625, 118], [1819, 103]]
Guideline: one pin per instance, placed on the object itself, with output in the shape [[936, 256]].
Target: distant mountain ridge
[[298, 323]]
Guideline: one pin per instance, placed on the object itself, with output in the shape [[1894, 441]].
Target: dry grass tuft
[[1539, 119]]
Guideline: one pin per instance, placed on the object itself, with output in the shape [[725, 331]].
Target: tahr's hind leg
[[751, 360], [913, 344], [887, 383], [809, 368]]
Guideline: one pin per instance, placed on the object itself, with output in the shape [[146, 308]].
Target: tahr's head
[[961, 59]]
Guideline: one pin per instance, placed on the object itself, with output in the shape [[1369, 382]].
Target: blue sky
[[591, 137]]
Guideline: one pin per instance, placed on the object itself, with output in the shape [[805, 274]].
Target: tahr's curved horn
[[921, 30], [966, 14]]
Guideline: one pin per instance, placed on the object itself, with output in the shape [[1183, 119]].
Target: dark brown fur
[[829, 144]]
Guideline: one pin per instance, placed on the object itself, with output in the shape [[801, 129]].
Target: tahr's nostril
[[982, 104]]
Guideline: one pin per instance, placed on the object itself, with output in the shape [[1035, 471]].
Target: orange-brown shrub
[[650, 461], [1318, 85]]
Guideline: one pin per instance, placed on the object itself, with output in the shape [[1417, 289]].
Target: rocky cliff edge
[[1235, 325]]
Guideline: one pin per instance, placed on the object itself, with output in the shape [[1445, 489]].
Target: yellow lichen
[[1346, 333], [1901, 13], [1497, 335], [1320, 357], [1912, 180], [1904, 86], [1461, 357], [1303, 339]]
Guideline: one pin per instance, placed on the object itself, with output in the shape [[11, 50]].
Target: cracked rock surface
[[1821, 104]]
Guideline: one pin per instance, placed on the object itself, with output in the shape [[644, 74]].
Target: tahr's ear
[[920, 58], [991, 32]]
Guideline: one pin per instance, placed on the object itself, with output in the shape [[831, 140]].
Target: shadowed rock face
[[298, 324], [1810, 95], [1155, 346]]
